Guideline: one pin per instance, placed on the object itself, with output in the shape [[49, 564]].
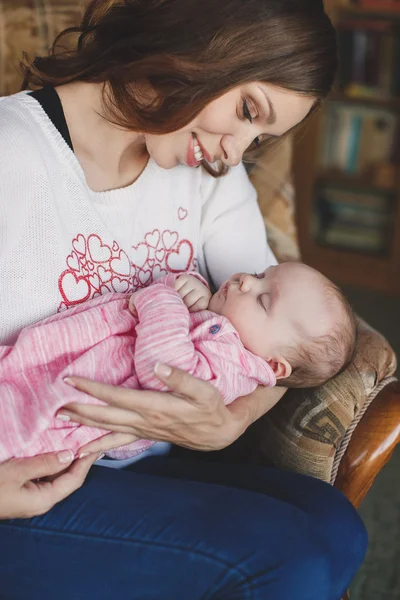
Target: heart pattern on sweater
[[95, 266]]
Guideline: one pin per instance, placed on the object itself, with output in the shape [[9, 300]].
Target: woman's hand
[[193, 415], [32, 486]]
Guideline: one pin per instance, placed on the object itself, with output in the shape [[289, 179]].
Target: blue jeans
[[178, 529]]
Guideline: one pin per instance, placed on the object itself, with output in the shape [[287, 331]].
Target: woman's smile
[[196, 152]]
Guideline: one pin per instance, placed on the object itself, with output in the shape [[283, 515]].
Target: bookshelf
[[347, 159]]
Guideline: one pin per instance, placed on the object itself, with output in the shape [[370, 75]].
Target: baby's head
[[293, 317]]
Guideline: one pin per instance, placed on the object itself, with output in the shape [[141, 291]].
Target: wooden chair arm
[[371, 445]]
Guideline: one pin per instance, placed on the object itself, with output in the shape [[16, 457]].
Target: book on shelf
[[348, 239], [369, 57], [379, 5], [355, 138], [355, 220]]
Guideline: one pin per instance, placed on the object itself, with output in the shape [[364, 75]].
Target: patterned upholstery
[[273, 181], [305, 429]]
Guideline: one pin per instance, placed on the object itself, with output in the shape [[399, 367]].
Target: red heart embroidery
[[158, 272], [98, 251], [180, 259], [79, 244], [94, 281], [169, 239], [160, 255], [140, 255], [73, 289], [182, 214], [144, 277], [73, 262], [119, 285], [104, 274], [121, 265], [152, 239], [104, 289]]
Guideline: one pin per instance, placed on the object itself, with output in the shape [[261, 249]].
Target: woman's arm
[[193, 415]]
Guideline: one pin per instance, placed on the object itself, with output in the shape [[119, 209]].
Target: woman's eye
[[246, 111], [259, 275]]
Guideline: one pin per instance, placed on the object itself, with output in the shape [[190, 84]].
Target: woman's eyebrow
[[272, 114]]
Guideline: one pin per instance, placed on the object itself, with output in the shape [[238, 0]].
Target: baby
[[288, 325], [290, 315]]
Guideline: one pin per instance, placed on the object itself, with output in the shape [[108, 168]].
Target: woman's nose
[[233, 149]]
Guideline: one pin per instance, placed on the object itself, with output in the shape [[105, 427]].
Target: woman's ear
[[280, 367]]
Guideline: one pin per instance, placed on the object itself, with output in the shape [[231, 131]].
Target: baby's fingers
[[132, 307], [200, 304], [180, 283], [191, 298]]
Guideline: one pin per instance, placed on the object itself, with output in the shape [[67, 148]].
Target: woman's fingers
[[108, 442], [192, 388], [177, 380], [24, 490], [103, 391], [72, 479], [42, 465], [153, 424], [43, 495], [107, 418], [194, 415]]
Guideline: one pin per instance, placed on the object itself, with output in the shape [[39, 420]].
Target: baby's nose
[[245, 282]]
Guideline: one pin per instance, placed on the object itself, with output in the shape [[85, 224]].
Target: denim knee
[[345, 538], [343, 526]]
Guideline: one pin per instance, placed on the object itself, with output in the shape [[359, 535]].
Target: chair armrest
[[371, 444]]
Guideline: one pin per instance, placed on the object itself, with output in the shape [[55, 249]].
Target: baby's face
[[271, 310]]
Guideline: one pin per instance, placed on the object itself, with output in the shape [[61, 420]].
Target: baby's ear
[[280, 367]]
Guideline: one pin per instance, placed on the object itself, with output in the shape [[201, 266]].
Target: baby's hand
[[132, 306], [193, 292]]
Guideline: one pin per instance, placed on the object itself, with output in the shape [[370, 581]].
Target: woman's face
[[227, 126]]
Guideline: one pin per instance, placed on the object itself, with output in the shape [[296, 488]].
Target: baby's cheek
[[236, 315]]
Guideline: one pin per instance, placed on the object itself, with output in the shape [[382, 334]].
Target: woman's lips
[[204, 151], [191, 159]]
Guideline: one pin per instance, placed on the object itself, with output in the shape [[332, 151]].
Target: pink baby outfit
[[102, 340]]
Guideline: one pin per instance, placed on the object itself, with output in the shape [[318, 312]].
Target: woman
[[100, 192]]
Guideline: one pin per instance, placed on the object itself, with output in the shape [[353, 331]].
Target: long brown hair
[[189, 52]]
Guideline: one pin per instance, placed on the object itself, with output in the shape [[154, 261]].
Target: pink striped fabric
[[102, 340]]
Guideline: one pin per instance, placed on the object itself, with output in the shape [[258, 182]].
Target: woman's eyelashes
[[247, 115], [246, 112]]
